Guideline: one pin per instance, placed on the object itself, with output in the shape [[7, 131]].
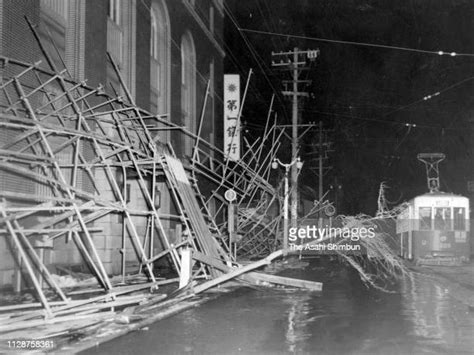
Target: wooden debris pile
[[81, 172], [71, 149]]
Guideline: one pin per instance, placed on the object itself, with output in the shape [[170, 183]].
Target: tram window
[[442, 218], [425, 218], [459, 218]]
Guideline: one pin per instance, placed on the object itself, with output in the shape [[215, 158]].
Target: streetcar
[[433, 229]]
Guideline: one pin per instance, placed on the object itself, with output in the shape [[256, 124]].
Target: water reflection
[[298, 320], [425, 306], [438, 322], [346, 318]]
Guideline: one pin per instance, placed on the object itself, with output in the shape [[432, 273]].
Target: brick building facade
[[166, 51]]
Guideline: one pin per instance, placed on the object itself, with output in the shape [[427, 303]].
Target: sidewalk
[[457, 280]]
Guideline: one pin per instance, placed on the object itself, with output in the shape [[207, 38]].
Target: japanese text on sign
[[231, 115]]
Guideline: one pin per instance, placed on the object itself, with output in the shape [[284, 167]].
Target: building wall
[[143, 54], [95, 43], [81, 41], [194, 19], [16, 41]]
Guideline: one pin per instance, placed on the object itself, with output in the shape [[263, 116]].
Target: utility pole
[[295, 61], [294, 142]]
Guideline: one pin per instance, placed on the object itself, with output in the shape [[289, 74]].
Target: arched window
[[188, 87], [159, 58], [114, 11], [153, 36]]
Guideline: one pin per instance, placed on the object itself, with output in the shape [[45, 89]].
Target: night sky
[[384, 105]]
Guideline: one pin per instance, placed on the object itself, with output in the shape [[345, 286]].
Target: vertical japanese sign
[[231, 115]]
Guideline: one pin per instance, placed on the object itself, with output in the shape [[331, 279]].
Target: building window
[[459, 218], [154, 36], [212, 78], [425, 218], [114, 32], [61, 29], [121, 45], [114, 11], [188, 87], [442, 218], [211, 19], [159, 58]]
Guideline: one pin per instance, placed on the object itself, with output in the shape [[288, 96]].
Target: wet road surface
[[420, 317]]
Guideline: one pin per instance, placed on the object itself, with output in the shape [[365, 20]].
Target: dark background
[[369, 96]]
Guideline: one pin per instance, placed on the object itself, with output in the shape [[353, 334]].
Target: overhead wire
[[430, 96], [274, 25], [242, 72], [264, 69], [265, 22], [377, 120], [409, 126], [260, 62], [425, 98], [364, 44], [201, 76]]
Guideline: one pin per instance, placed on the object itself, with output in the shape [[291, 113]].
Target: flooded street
[[420, 317]]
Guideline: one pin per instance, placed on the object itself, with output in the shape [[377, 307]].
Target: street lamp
[[299, 165]]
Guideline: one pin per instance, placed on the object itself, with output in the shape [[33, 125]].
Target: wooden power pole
[[295, 61]]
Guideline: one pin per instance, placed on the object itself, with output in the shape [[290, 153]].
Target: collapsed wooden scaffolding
[[77, 148], [259, 204], [61, 142]]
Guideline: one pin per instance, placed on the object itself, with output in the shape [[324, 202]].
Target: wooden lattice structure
[[79, 167], [71, 156], [74, 148]]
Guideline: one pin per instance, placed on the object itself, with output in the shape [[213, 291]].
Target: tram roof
[[437, 194]]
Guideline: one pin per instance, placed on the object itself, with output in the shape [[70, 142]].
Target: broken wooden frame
[[258, 202], [76, 150]]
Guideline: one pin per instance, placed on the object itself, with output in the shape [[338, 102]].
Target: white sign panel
[[231, 114]]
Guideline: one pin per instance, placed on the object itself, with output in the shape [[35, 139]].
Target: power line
[[407, 124], [265, 23], [260, 62], [272, 17], [203, 77], [429, 97], [233, 58], [364, 44], [378, 120], [425, 98]]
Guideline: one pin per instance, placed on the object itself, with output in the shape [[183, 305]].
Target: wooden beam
[[208, 260], [285, 281], [237, 272]]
